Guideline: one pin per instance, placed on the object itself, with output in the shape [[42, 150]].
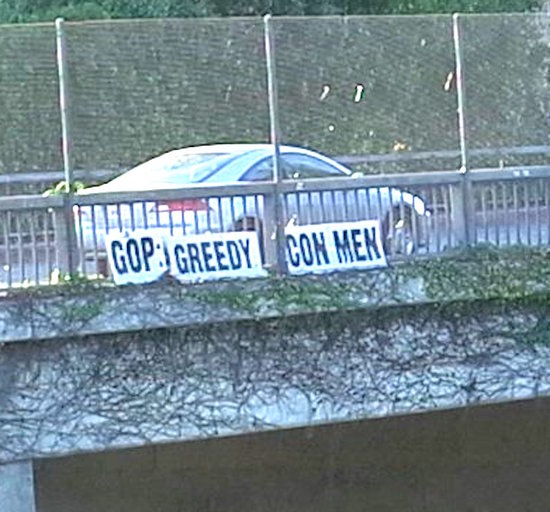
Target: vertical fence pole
[[462, 196], [275, 232], [65, 228], [63, 101]]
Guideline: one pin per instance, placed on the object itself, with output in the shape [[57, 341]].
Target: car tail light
[[185, 205]]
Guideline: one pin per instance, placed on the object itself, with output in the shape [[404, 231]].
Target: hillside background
[[47, 10]]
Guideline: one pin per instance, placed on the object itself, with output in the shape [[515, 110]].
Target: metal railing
[[44, 238], [129, 87]]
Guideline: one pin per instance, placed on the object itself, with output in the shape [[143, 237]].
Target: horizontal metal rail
[[406, 156], [188, 192], [450, 177], [53, 176], [438, 178], [374, 181], [511, 173], [30, 177], [267, 188], [30, 202]]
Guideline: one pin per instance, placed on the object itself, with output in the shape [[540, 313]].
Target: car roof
[[250, 152], [241, 157], [236, 148]]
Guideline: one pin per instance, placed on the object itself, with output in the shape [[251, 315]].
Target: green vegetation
[[47, 10], [483, 272], [61, 188], [470, 281], [467, 276], [346, 85]]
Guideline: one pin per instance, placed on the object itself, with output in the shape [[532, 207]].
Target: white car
[[232, 164]]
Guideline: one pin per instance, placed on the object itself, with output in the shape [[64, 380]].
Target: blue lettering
[[207, 256], [357, 245], [245, 246], [320, 248], [220, 256], [147, 249], [181, 260], [370, 242], [292, 250], [343, 248], [234, 256], [132, 250], [305, 249], [194, 258], [118, 257]]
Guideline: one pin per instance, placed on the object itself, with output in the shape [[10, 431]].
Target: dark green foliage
[[30, 121], [47, 10], [400, 66], [191, 82], [186, 92]]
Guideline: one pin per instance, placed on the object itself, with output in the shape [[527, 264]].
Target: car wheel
[[398, 232], [248, 224], [251, 224]]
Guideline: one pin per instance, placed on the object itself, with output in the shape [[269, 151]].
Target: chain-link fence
[[396, 97], [506, 62], [140, 88], [367, 85], [29, 107], [379, 92]]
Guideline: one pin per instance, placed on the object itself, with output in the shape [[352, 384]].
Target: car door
[[335, 205], [312, 207]]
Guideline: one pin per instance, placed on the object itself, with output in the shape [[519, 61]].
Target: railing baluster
[[509, 208]]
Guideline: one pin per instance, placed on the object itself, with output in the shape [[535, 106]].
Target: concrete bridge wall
[[123, 389], [97, 368]]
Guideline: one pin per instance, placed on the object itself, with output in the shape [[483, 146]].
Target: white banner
[[136, 256], [143, 257], [335, 246], [215, 256]]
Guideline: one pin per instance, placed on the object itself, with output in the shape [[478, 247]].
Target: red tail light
[[185, 205]]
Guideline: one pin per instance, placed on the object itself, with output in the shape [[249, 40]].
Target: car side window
[[303, 167], [262, 171], [294, 166]]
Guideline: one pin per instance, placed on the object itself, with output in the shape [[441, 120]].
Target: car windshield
[[171, 169]]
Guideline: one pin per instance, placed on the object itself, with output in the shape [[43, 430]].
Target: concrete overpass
[[288, 394]]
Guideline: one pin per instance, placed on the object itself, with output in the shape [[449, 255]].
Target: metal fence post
[[274, 234], [65, 228], [64, 236], [270, 230], [462, 198]]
